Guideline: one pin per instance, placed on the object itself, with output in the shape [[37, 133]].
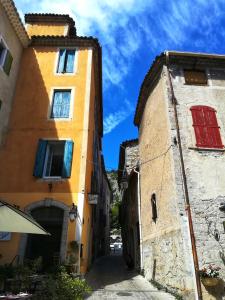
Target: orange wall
[[29, 122], [47, 29]]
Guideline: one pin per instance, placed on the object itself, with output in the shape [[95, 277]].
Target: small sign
[[93, 199], [5, 236]]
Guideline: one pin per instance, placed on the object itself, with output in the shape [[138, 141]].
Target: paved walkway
[[110, 280]]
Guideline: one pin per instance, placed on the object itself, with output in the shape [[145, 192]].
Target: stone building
[[100, 212], [128, 177], [52, 150], [181, 120], [13, 38]]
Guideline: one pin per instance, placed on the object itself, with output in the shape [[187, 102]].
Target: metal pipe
[[187, 201], [139, 221]]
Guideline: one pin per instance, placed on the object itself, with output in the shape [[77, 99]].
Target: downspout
[[139, 221], [187, 200]]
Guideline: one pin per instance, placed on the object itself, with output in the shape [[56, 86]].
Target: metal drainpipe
[[187, 202], [139, 220]]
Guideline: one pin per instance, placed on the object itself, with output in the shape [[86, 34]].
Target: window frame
[[2, 61], [46, 159], [194, 135], [196, 70], [75, 64], [72, 96], [40, 176]]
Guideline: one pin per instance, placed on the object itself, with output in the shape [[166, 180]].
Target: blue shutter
[[67, 159], [40, 158], [70, 61], [61, 63]]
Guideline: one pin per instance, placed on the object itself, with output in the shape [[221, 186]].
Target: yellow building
[[54, 135]]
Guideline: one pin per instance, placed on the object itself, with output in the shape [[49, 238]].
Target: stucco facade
[[31, 122], [14, 38], [168, 256]]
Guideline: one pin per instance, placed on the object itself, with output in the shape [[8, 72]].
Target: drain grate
[[124, 294]]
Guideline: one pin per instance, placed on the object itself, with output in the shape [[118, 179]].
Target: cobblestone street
[[110, 279]]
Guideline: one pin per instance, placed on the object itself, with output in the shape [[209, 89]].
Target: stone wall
[[131, 157], [204, 169], [167, 255], [8, 82]]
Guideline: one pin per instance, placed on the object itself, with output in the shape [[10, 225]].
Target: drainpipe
[[187, 200], [139, 219]]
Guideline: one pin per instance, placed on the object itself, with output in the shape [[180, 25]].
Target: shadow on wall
[[28, 125], [216, 291]]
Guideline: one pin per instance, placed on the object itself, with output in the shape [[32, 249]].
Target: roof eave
[[16, 22]]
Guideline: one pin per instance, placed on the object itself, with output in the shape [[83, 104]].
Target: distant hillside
[[112, 176], [114, 211]]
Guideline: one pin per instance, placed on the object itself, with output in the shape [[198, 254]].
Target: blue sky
[[132, 33]]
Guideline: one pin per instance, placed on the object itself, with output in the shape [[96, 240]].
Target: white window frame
[[46, 161], [2, 60], [72, 95], [75, 62]]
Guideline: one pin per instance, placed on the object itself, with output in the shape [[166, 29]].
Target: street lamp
[[73, 213]]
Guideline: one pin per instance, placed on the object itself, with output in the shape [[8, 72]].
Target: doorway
[[46, 246]]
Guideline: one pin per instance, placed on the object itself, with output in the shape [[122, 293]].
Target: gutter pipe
[[187, 199], [139, 221]]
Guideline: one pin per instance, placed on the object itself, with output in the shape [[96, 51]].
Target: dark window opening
[[154, 207], [54, 159], [195, 77]]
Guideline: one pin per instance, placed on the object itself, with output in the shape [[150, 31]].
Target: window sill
[[52, 179], [207, 149], [66, 74], [197, 84]]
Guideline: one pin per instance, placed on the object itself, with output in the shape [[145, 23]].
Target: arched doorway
[[46, 246]]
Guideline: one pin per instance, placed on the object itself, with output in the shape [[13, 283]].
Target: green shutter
[[40, 158], [8, 62], [67, 159]]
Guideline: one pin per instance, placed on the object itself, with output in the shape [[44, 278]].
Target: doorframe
[[47, 202]]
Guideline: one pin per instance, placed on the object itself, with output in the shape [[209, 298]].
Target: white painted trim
[[2, 61], [86, 123], [75, 65], [66, 29], [83, 160], [72, 100]]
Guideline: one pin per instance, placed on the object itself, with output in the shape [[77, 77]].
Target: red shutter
[[206, 127]]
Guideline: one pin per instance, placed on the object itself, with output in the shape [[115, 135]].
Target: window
[[206, 127], [0, 104], [66, 61], [154, 207], [53, 159], [61, 104], [5, 57], [197, 77]]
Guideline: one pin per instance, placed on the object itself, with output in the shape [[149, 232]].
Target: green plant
[[74, 246], [62, 287], [209, 272]]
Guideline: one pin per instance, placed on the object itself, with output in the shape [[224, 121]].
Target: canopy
[[15, 220]]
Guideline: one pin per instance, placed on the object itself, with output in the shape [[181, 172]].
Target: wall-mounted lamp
[[73, 213]]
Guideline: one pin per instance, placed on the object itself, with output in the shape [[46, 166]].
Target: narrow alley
[[110, 279]]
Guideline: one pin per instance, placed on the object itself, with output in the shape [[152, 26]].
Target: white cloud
[[114, 119]]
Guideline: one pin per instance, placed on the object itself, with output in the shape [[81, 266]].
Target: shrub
[[62, 287]]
